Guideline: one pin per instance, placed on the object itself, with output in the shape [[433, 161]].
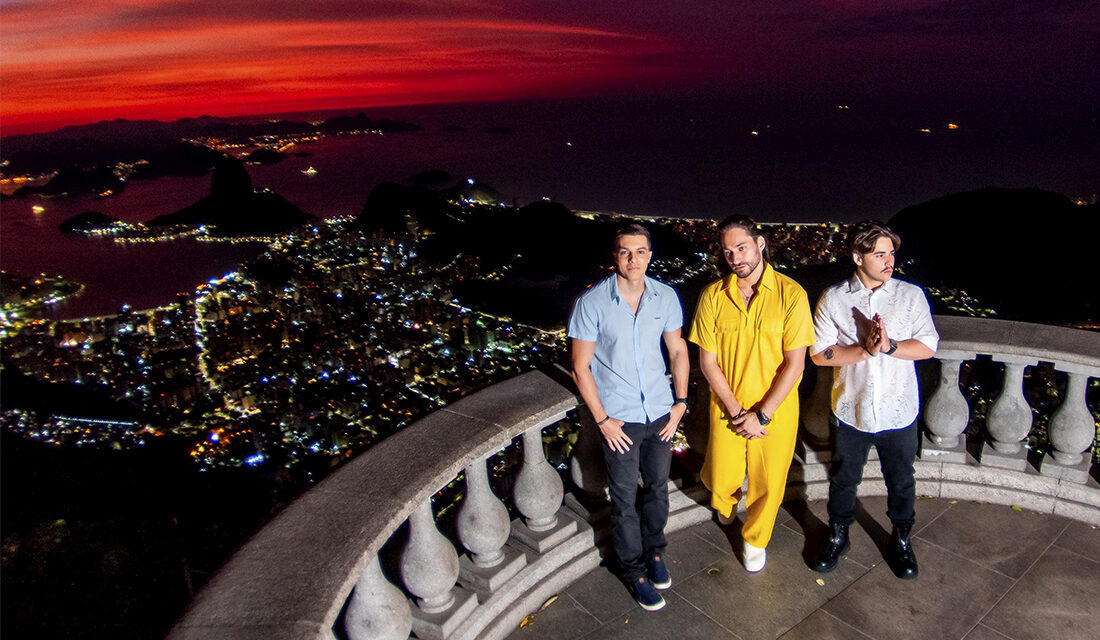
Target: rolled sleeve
[[825, 330], [924, 329]]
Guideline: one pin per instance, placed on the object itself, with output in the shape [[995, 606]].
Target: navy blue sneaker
[[646, 595], [658, 572]]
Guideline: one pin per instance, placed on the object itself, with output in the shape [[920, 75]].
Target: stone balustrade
[[315, 570]]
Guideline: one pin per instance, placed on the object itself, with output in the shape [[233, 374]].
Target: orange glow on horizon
[[73, 69]]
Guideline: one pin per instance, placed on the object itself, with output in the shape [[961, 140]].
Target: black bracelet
[[600, 423]]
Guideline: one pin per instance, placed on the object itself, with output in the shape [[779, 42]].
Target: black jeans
[[635, 540], [896, 450]]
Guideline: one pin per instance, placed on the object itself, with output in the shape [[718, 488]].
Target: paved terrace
[[1006, 540], [988, 572]]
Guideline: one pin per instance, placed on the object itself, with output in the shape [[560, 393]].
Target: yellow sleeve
[[798, 322], [702, 330]]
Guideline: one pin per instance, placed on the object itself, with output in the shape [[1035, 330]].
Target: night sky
[[77, 61]]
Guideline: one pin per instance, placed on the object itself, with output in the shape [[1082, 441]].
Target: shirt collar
[[856, 285], [613, 288], [767, 279]]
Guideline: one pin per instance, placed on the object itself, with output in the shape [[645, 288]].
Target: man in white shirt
[[871, 328]]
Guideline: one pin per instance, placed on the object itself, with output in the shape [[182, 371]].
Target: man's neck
[[628, 288]]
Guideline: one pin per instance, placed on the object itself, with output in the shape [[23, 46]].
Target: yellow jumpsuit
[[749, 344]]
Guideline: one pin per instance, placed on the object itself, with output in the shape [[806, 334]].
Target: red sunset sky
[[76, 61]]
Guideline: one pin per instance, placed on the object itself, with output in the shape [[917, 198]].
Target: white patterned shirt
[[880, 393]]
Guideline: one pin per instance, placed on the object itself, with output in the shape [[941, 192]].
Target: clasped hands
[[612, 430], [876, 340], [747, 425]]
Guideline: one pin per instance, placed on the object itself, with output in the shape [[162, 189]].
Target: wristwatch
[[764, 420], [682, 401], [893, 347]]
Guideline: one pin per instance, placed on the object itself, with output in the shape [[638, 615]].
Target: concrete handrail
[[294, 576]]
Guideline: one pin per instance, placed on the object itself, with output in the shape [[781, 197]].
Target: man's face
[[876, 267], [742, 252], [632, 256]]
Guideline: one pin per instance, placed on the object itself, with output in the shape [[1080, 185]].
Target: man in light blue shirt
[[615, 330]]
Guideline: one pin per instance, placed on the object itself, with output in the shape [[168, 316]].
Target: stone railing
[[315, 570]]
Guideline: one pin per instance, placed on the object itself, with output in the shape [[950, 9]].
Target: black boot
[[836, 546], [900, 555]]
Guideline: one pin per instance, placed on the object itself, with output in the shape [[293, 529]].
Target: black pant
[[637, 540], [896, 450]]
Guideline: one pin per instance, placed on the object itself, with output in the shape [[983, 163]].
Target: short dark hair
[[862, 236], [632, 229]]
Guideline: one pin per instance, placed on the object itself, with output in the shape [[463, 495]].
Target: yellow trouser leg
[[768, 461], [724, 470]]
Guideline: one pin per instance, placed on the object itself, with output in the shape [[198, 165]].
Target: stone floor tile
[[765, 604], [1081, 538], [678, 619], [602, 594], [562, 620], [869, 534], [945, 602], [688, 554], [995, 536], [1056, 598], [822, 626], [982, 632]]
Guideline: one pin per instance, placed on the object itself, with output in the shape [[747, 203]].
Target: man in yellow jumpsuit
[[752, 327]]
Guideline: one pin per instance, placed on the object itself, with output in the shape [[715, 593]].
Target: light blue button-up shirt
[[628, 365]]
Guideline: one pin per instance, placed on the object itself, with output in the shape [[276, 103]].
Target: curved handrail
[[294, 576]]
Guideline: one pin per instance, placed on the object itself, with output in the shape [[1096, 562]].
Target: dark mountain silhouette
[[87, 221], [233, 208], [109, 142], [75, 181], [360, 122], [389, 203], [1027, 252], [264, 156]]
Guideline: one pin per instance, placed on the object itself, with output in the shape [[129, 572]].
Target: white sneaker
[[754, 557], [725, 521]]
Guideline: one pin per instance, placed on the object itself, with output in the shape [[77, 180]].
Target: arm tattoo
[[829, 353]]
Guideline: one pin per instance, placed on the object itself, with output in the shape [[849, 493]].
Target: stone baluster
[[538, 496], [1010, 417], [947, 412], [429, 568], [483, 528], [586, 466], [538, 491], [1072, 428], [429, 564], [483, 523], [378, 610]]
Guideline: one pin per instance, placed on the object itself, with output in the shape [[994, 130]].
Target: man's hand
[[873, 341], [748, 426], [883, 337], [612, 431], [675, 414]]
